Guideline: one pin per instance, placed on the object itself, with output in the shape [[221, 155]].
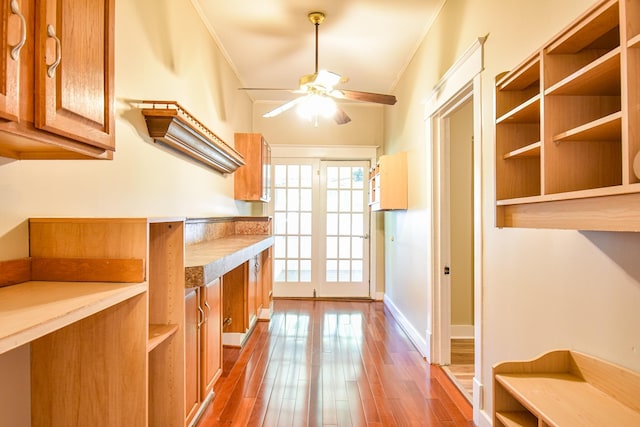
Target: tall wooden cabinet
[[57, 94], [568, 127], [253, 180]]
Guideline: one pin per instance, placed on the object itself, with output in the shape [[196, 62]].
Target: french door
[[321, 228]]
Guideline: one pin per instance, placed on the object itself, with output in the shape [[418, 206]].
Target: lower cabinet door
[[211, 337], [193, 318]]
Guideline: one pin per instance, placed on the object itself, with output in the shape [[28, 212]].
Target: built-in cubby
[[564, 388], [518, 132], [567, 127]]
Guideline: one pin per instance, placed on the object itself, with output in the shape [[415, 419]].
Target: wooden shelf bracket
[[168, 122]]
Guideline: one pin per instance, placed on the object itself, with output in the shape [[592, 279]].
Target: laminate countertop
[[206, 261]]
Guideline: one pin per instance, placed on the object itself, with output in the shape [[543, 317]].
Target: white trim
[[407, 327], [459, 82], [456, 77], [480, 417], [378, 296], [325, 152], [462, 331], [335, 152]]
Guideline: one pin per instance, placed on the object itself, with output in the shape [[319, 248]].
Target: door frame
[[459, 84], [339, 152]]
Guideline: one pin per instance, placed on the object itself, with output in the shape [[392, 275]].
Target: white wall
[[163, 51], [543, 289]]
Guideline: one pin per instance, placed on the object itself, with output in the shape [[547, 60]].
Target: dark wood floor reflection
[[332, 363]]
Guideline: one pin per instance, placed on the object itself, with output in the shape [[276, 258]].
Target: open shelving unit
[[568, 127], [564, 388]]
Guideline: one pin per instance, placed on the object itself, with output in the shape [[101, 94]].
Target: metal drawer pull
[[15, 50], [51, 32]]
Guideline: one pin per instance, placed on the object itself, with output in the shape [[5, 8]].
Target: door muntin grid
[[293, 230], [346, 228]]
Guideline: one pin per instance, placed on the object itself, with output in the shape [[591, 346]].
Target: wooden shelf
[[634, 42], [607, 128], [601, 77], [523, 77], [590, 98], [567, 399], [593, 25], [517, 419], [33, 309], [565, 388], [158, 334], [171, 124], [527, 112], [531, 150]]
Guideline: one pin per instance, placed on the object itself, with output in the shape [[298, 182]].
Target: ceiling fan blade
[[341, 117], [378, 98], [266, 88], [284, 107]]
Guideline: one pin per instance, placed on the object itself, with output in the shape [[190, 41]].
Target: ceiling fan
[[319, 90]]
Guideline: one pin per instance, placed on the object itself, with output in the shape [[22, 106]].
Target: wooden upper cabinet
[[253, 180], [388, 183], [56, 93], [13, 34]]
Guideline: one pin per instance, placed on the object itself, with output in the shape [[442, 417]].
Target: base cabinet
[[203, 346]]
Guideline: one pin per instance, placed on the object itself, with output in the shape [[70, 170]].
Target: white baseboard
[[414, 336], [462, 331]]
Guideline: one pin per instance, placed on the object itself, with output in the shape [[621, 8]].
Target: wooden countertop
[[33, 309], [206, 261]]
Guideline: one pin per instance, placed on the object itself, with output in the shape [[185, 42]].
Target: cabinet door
[[266, 171], [192, 319], [211, 337], [13, 31], [74, 70]]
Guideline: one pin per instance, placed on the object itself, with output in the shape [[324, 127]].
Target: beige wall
[[162, 52], [542, 289]]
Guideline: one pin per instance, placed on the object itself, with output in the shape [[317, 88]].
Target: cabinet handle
[[201, 317], [206, 304], [51, 32], [15, 50]]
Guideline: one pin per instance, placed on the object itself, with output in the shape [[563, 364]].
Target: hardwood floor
[[462, 365], [332, 363]]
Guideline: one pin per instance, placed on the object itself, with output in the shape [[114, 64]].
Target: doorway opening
[[447, 109]]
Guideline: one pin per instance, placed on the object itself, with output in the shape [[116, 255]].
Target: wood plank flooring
[[462, 365], [332, 363]]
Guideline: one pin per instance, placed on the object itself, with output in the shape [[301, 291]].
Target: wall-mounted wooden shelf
[[171, 124], [567, 127]]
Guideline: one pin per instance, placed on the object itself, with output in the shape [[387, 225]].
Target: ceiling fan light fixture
[[317, 105]]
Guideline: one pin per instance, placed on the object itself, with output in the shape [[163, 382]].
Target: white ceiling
[[271, 43]]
